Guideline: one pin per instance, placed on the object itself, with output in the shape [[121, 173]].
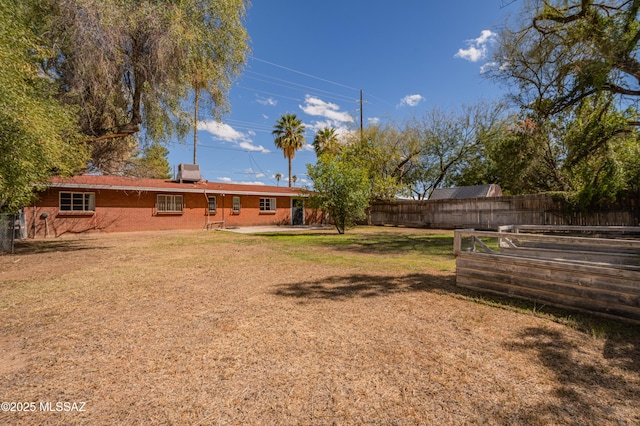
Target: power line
[[318, 78], [326, 92], [270, 94], [304, 73]]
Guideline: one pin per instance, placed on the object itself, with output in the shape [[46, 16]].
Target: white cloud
[[472, 54], [221, 131], [411, 100], [478, 47], [229, 180], [226, 133], [254, 148], [373, 120], [266, 101], [331, 116], [318, 107]]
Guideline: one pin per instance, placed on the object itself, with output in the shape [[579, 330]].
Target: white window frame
[[79, 202], [236, 205], [215, 203], [268, 205], [169, 203]]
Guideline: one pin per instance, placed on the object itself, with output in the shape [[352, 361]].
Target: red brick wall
[[124, 211]]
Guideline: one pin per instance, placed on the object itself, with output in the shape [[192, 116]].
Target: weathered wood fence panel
[[490, 213], [574, 273]]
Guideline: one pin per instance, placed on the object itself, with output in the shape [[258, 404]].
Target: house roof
[[476, 191], [120, 183]]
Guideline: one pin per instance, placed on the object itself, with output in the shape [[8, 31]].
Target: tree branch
[[109, 136]]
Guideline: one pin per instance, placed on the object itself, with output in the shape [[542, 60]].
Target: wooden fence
[[491, 213], [591, 274]]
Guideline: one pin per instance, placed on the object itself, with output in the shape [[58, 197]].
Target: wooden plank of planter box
[[597, 289], [610, 278], [618, 312], [606, 289]]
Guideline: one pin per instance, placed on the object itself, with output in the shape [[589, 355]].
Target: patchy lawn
[[297, 328]]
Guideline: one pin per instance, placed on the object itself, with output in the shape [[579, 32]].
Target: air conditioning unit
[[188, 173]]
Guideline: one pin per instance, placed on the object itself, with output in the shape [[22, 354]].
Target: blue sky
[[313, 57]]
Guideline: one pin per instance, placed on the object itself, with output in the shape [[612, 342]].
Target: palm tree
[[278, 176], [326, 141], [294, 178], [289, 136]]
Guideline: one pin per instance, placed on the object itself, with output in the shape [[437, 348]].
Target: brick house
[[120, 204]]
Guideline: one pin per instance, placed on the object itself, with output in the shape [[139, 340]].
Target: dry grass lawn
[[312, 328]]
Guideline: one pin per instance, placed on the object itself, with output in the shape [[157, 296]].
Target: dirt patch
[[12, 358], [221, 328]]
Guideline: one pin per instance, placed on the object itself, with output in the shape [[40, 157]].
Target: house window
[[169, 203], [213, 205], [267, 204], [77, 201], [236, 204]]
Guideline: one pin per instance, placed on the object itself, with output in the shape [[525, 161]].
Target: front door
[[297, 211]]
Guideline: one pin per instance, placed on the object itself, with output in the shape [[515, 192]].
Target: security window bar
[[169, 203], [236, 204], [77, 201], [267, 204], [213, 204]]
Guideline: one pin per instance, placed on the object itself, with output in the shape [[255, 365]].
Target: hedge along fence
[[491, 213], [590, 274]]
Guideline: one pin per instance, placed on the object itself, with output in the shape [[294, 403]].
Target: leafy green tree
[[585, 151], [522, 157], [38, 136], [385, 153], [326, 142], [341, 189], [289, 137], [574, 69], [151, 163]]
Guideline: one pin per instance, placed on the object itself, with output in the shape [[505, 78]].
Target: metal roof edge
[[182, 190]]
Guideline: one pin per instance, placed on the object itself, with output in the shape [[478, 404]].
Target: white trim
[[272, 204]]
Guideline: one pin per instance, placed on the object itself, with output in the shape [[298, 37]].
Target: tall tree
[[38, 136], [131, 66], [326, 141], [567, 51], [385, 152], [289, 137], [574, 69], [449, 141]]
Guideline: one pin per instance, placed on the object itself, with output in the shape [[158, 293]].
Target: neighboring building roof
[[120, 183], [476, 191]]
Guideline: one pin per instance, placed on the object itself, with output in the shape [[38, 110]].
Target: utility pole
[[195, 124], [361, 125]]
